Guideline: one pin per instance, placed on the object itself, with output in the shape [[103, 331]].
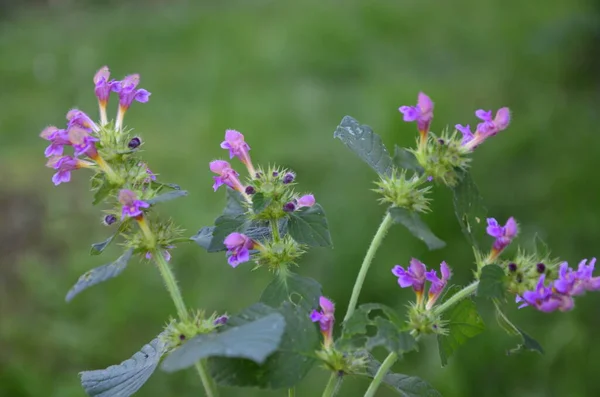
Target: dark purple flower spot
[[541, 268], [288, 178], [109, 219], [250, 190], [134, 143], [182, 337], [512, 267], [289, 207], [275, 173], [441, 141]]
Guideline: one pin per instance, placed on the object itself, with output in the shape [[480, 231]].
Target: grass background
[[285, 73]]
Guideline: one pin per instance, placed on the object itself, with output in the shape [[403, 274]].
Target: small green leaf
[[172, 195], [204, 237], [527, 342], [98, 248], [124, 379], [104, 189], [259, 202], [303, 291], [404, 385], [463, 323], [235, 203], [469, 209], [100, 274], [365, 143], [283, 369], [255, 340], [492, 282], [417, 227], [309, 226], [389, 331], [406, 160]]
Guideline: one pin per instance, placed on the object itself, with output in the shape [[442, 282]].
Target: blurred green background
[[285, 73]]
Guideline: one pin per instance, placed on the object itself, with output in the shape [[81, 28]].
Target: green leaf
[[235, 203], [172, 195], [283, 369], [259, 202], [124, 379], [417, 227], [254, 340], [527, 342], [104, 189], [469, 209], [100, 274], [224, 225], [365, 143], [492, 282], [404, 385], [389, 331], [204, 237], [406, 160], [98, 248], [463, 323], [173, 186], [303, 291], [309, 226]]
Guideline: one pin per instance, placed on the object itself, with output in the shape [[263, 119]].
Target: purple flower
[[221, 320], [227, 176], [238, 248], [234, 141], [83, 142], [103, 86], [128, 91], [131, 205], [64, 165], [571, 282], [466, 133], [422, 114], [437, 285], [289, 178], [326, 319], [307, 200], [503, 234], [487, 128], [76, 117], [544, 298], [413, 276], [58, 139]]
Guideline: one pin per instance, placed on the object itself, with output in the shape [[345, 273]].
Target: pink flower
[[227, 176]]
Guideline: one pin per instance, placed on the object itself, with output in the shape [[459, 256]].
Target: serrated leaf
[[389, 331], [235, 203], [172, 195], [309, 226], [102, 191], [98, 248], [469, 209], [406, 160], [463, 323], [283, 369], [365, 143], [100, 274], [492, 282], [417, 227], [255, 340], [124, 379], [303, 291], [404, 385], [204, 236], [527, 342]]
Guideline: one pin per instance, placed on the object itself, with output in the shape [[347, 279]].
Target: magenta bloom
[[234, 141], [58, 139], [466, 133], [422, 114], [132, 207], [487, 128], [227, 176], [503, 234], [103, 86], [64, 165], [437, 285], [128, 91], [238, 248], [413, 276], [575, 283], [545, 299], [76, 117], [83, 142], [326, 319], [307, 200]]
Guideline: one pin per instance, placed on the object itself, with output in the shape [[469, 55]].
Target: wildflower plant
[[269, 222]]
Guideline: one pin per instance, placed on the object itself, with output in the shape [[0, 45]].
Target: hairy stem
[[333, 386], [386, 223], [275, 230], [171, 284], [463, 293], [381, 373]]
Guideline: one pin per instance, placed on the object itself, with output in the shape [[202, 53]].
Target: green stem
[[171, 284], [386, 223], [292, 392], [275, 230], [381, 373], [463, 293], [335, 381]]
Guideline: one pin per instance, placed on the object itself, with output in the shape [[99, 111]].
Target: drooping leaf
[[283, 369], [124, 379], [417, 227], [404, 385], [463, 323], [259, 202], [303, 291], [309, 226], [204, 237], [235, 203], [406, 160], [527, 342], [98, 248], [389, 331], [469, 209], [365, 143], [254, 340], [100, 274], [172, 195], [492, 282]]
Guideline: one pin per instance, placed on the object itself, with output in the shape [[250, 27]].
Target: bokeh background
[[285, 73]]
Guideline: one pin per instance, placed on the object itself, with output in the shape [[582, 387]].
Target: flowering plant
[[267, 220]]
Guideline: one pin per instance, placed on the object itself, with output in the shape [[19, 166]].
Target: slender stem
[[335, 381], [169, 278], [463, 293], [275, 230], [381, 373], [364, 268], [292, 392]]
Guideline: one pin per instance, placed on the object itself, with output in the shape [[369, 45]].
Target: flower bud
[[134, 143], [540, 267], [109, 220], [512, 267], [250, 190], [289, 178], [289, 207]]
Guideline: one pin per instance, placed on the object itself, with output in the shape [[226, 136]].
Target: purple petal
[[315, 316], [511, 228], [417, 268], [424, 103], [218, 182], [445, 270], [326, 305], [235, 240], [502, 118], [431, 276], [219, 166], [307, 200], [398, 271], [410, 113], [142, 96], [485, 115], [405, 281]]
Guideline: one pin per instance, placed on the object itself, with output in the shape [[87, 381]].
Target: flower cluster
[[326, 318], [422, 113], [415, 276], [487, 128]]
